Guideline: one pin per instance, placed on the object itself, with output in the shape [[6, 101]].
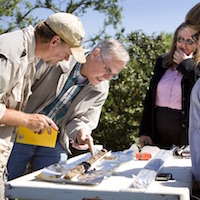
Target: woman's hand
[[144, 139], [179, 56]]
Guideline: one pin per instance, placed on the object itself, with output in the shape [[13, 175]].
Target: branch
[[74, 6], [21, 18]]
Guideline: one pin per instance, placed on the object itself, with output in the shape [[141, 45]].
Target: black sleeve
[[146, 122], [187, 68]]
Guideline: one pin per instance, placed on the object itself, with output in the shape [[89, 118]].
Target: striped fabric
[[57, 109]]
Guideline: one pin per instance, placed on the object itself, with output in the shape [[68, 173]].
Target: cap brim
[[78, 54]]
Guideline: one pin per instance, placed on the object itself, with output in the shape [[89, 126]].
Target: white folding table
[[118, 186]]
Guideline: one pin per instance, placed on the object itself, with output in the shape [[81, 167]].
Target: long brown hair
[[192, 18]]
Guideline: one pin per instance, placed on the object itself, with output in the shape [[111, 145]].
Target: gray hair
[[112, 48]]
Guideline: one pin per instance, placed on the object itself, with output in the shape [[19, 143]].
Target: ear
[[96, 52], [55, 40]]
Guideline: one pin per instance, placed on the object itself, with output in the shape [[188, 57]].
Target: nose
[[183, 45], [107, 76]]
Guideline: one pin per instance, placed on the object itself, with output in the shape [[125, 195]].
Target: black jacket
[[188, 69]]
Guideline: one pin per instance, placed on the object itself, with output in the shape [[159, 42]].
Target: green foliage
[[5, 12], [5, 4], [122, 111]]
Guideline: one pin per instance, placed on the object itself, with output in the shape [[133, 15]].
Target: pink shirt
[[169, 92]]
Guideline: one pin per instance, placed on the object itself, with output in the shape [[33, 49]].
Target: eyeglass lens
[[195, 37], [182, 40], [108, 71]]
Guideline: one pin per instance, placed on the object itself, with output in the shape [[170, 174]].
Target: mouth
[[183, 50]]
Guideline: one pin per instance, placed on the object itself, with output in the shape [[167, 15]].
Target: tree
[[21, 13], [5, 4], [122, 111]]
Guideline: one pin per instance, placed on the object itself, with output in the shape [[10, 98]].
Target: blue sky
[[151, 16]]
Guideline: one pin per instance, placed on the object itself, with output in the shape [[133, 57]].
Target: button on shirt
[[169, 92], [57, 109]]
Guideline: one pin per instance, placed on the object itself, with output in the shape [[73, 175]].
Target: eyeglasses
[[195, 37], [108, 71], [182, 40]]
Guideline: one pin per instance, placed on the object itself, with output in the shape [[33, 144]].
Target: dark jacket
[[188, 69]]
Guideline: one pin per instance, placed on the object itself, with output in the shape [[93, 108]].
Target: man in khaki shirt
[[53, 40]]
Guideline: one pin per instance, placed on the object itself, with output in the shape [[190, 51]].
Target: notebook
[[27, 136]]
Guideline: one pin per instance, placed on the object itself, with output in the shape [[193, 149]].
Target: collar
[[31, 43]]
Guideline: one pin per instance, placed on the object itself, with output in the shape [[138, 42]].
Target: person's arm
[[145, 132], [10, 86], [186, 65], [35, 122], [194, 130], [79, 129]]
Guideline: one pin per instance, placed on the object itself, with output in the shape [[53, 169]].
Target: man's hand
[[144, 139], [35, 122], [84, 140], [38, 122]]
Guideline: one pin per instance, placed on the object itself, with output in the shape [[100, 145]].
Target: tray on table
[[97, 172]]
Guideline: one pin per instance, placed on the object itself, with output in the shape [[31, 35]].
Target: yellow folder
[[27, 136]]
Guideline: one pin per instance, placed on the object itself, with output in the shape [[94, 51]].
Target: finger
[[53, 125], [175, 56], [47, 126], [41, 128], [82, 137], [79, 146], [51, 122], [191, 54], [91, 145], [41, 131], [150, 142], [87, 139], [178, 51], [175, 52]]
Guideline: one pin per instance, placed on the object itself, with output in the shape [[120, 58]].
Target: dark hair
[[44, 32]]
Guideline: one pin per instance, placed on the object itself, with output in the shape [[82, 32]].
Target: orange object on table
[[143, 156]]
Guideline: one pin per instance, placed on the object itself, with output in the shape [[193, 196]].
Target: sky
[[150, 16]]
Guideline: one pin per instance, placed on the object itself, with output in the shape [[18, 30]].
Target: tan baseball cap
[[70, 29]]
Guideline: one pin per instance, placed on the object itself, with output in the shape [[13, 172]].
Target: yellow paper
[[27, 136]]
